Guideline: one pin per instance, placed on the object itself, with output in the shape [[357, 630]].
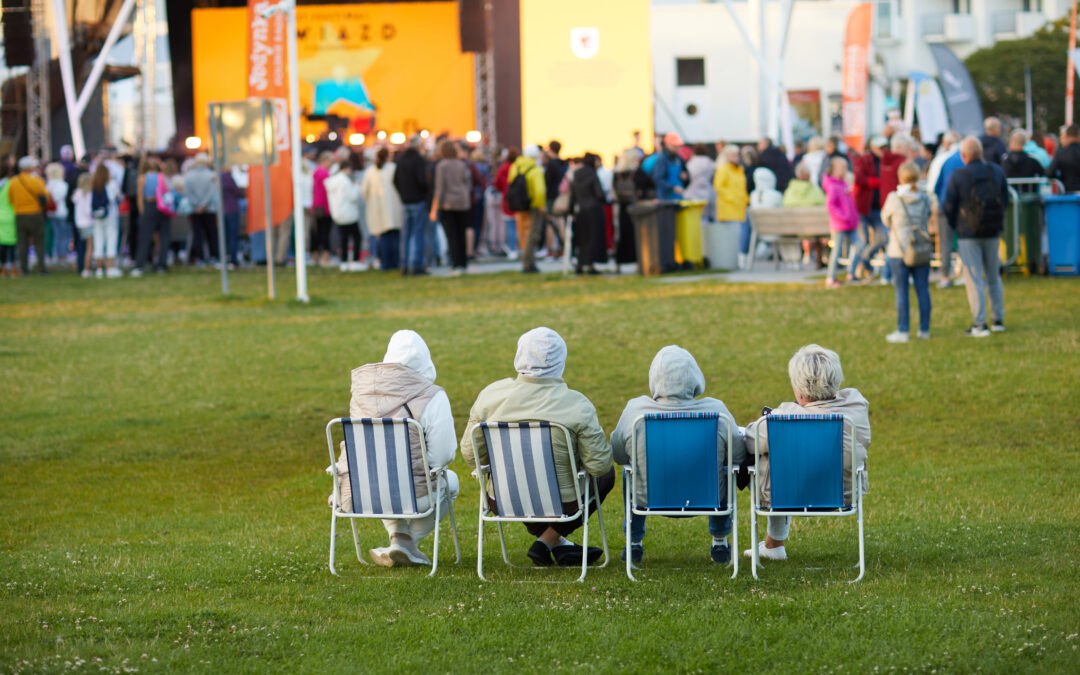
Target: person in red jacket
[[501, 183], [868, 195]]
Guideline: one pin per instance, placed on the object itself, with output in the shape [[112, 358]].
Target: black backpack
[[517, 194], [985, 211]]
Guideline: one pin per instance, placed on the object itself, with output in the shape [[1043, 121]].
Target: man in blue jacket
[[667, 169]]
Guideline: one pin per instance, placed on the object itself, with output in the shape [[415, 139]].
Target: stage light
[[473, 136], [310, 138], [193, 142], [381, 135], [397, 138], [424, 133], [356, 139], [332, 136]]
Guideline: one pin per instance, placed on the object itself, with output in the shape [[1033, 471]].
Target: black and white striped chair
[[521, 470], [378, 452]]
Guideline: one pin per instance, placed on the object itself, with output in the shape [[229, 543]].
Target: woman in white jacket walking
[[344, 195], [385, 212]]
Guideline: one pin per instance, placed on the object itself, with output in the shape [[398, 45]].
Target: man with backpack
[[526, 196], [975, 202]]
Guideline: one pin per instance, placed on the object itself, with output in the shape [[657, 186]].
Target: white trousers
[[778, 527], [106, 237], [419, 528]]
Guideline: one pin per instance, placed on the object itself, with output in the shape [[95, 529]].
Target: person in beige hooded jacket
[[540, 394], [816, 375], [403, 385]]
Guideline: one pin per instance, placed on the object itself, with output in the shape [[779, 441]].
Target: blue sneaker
[[637, 551], [720, 553]]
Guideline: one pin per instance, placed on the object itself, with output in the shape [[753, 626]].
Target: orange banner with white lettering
[[856, 74], [267, 78]]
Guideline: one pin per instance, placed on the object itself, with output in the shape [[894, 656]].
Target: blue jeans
[[389, 246], [61, 234], [921, 277], [719, 526], [413, 239], [511, 234], [875, 235], [838, 239], [744, 236], [232, 236]]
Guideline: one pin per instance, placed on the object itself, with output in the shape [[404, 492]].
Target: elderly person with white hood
[[816, 376], [675, 382], [539, 393], [403, 385]]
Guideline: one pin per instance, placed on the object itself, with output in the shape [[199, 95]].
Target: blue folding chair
[[521, 468], [378, 451], [806, 473], [686, 472]]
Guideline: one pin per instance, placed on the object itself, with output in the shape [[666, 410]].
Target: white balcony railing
[[948, 28]]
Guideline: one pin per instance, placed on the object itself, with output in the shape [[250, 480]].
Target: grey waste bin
[[654, 227], [722, 245]]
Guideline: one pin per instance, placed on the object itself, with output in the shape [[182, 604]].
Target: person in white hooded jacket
[[344, 196], [403, 385], [816, 376], [675, 382]]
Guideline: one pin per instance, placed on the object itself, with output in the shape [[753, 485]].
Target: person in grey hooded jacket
[[675, 382], [403, 385]]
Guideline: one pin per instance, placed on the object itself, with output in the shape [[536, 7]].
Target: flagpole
[[1069, 76]]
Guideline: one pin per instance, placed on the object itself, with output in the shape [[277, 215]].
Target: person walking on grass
[[909, 213], [975, 203], [843, 220]]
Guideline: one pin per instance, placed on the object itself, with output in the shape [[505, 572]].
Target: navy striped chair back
[[806, 461], [380, 467], [522, 469]]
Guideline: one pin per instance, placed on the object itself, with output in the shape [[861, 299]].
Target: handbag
[[45, 201], [916, 247]]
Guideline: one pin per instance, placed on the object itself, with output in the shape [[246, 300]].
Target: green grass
[[163, 501]]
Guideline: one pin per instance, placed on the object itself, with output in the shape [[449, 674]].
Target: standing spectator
[[700, 168], [832, 149], [773, 159], [152, 222], [946, 233], [344, 196], [84, 221], [453, 197], [413, 188], [495, 224], [29, 199], [231, 194], [529, 223], [500, 184], [480, 171], [993, 148], [901, 148], [667, 167], [555, 168], [58, 215], [129, 189], [104, 201], [320, 207], [1019, 164], [975, 204], [385, 212], [906, 210], [816, 159], [626, 193], [1066, 164], [587, 202], [7, 227], [729, 181], [843, 220], [199, 190]]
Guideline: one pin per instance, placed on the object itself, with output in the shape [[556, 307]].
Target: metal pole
[[268, 138], [1027, 100], [294, 144], [63, 47], [765, 78], [1070, 75], [217, 137], [99, 63]]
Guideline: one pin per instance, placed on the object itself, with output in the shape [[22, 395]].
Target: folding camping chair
[[806, 469], [378, 452], [521, 468], [686, 473]]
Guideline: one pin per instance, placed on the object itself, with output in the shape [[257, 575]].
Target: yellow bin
[[688, 244]]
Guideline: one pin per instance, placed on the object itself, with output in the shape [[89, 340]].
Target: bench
[[792, 223]]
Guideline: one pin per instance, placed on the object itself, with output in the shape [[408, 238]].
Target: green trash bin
[[1031, 229]]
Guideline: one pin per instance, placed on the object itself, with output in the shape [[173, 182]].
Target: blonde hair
[[835, 162], [815, 373], [55, 171], [83, 181], [909, 173]]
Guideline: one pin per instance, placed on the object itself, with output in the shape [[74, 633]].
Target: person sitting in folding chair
[[403, 385], [816, 375], [675, 382], [540, 394]]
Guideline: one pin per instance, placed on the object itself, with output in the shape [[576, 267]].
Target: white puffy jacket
[[344, 198]]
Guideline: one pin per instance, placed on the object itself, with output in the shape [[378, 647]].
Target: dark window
[[690, 72]]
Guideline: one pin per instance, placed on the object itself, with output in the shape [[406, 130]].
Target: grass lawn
[[163, 501]]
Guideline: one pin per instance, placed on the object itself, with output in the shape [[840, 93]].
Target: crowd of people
[[403, 384]]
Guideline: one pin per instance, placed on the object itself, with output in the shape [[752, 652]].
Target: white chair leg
[[600, 520], [626, 527], [480, 540], [356, 541], [862, 545], [502, 544], [585, 534], [438, 526], [735, 553], [453, 528], [753, 527], [333, 535]]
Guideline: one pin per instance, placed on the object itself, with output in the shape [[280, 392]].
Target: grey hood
[[540, 353], [675, 374]]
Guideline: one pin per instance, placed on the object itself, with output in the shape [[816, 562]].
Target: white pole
[[765, 76], [60, 32], [99, 63], [299, 228]]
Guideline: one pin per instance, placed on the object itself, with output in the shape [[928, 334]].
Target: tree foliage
[[998, 73]]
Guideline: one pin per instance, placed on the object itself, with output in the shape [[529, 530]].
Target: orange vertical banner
[[856, 74], [267, 78]]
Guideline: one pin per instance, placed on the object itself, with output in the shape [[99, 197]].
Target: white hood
[[764, 179], [675, 374], [409, 349], [540, 353]]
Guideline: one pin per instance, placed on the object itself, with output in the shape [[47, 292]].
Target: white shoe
[[100, 273], [897, 337], [777, 553], [114, 273], [136, 273], [403, 556], [512, 255], [344, 267], [86, 274], [379, 556], [924, 335]]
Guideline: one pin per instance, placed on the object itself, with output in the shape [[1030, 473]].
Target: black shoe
[[720, 553], [637, 552], [420, 273], [569, 555], [531, 270], [540, 554], [998, 326]]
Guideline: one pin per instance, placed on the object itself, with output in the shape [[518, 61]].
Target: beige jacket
[[848, 402]]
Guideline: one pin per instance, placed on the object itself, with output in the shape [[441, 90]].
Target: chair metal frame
[[435, 493], [486, 515], [855, 509], [630, 493]]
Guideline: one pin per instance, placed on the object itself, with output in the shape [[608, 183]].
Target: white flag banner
[[929, 106]]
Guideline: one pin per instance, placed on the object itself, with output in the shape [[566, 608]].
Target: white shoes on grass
[[397, 555], [777, 553]]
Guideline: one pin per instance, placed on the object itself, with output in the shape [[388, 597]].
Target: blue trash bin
[[1063, 233]]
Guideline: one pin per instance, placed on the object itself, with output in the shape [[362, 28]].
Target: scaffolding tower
[[484, 75], [39, 143]]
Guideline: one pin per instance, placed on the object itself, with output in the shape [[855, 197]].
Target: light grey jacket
[[199, 187], [453, 185], [848, 402], [675, 380]]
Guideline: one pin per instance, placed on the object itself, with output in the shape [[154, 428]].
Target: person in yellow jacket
[[530, 223], [730, 183], [28, 198]]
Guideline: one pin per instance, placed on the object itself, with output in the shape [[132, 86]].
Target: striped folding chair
[[381, 478], [521, 468], [806, 473], [686, 472]]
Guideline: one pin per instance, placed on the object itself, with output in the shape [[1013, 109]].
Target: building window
[[884, 19], [961, 6], [1032, 5], [690, 72]]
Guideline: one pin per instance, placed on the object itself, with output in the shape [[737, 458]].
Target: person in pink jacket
[[843, 219]]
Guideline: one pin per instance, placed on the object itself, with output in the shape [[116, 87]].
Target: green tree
[[998, 73]]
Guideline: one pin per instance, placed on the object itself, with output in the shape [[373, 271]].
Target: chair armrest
[[751, 469], [628, 469]]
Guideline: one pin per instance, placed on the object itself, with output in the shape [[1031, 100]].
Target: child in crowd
[[843, 219], [84, 221]]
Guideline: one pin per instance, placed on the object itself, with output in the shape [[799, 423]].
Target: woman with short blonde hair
[[908, 213]]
